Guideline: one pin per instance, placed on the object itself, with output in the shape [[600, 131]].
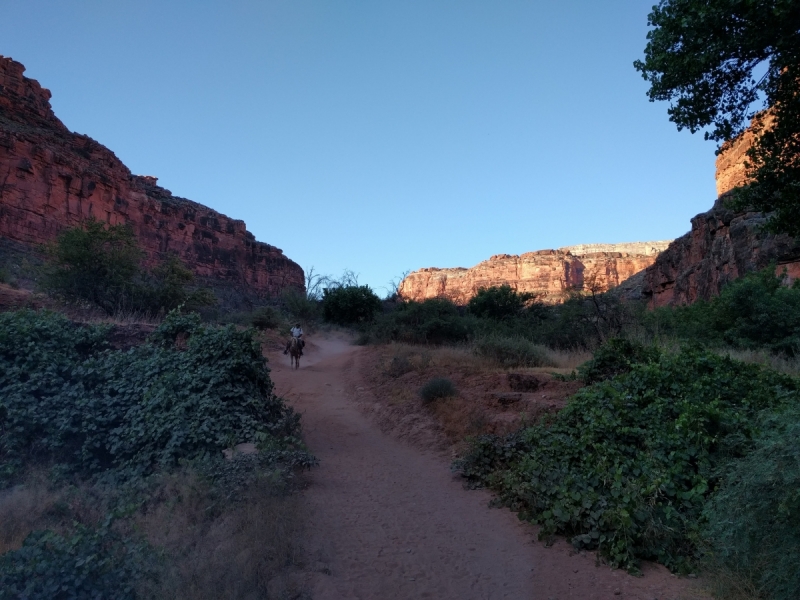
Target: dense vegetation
[[629, 466], [117, 418], [349, 305], [102, 264]]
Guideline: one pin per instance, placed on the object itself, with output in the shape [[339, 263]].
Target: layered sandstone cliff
[[550, 274], [722, 245], [51, 179]]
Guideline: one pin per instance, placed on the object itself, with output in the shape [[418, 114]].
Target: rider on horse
[[297, 332]]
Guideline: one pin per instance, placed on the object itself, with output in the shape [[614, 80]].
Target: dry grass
[[463, 357], [36, 504], [568, 360], [782, 364], [211, 547], [245, 548]]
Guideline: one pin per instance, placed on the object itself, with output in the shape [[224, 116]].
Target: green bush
[[102, 264], [267, 317], [512, 352], [500, 302], [628, 466], [299, 306], [615, 357], [433, 321], [88, 563], [437, 388], [753, 312], [65, 398], [753, 521], [350, 305], [97, 263]]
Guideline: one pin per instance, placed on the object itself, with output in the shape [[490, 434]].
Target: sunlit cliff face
[[550, 274]]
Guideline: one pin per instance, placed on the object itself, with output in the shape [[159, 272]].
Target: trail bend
[[388, 520]]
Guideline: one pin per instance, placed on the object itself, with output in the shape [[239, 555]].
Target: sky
[[379, 136]]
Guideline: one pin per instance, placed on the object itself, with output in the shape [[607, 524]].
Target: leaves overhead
[[720, 62]]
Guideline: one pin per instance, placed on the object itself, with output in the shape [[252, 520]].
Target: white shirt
[[297, 331]]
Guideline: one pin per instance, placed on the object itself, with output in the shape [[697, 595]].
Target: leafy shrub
[[433, 321], [88, 563], [348, 305], [299, 306], [753, 312], [440, 387], [66, 398], [97, 263], [615, 357], [500, 302], [753, 522], [628, 465], [102, 264], [267, 317], [513, 352]]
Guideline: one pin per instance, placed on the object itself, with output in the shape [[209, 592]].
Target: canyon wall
[[550, 274], [721, 245], [51, 179]]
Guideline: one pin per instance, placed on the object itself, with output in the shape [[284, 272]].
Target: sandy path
[[388, 520]]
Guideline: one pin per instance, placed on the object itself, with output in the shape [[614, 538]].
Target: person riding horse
[[297, 332]]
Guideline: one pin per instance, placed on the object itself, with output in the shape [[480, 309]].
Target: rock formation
[[51, 179], [722, 245], [550, 274]]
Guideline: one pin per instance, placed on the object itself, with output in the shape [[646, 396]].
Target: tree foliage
[[102, 264], [349, 305], [705, 58], [499, 302]]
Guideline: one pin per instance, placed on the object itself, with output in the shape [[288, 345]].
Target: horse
[[295, 349]]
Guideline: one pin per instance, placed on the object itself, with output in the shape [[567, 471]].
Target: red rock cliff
[[51, 178], [549, 274], [721, 246]]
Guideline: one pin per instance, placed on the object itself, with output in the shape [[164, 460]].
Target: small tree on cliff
[[102, 264], [95, 262], [706, 57]]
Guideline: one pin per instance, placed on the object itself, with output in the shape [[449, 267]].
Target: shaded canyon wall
[[722, 245], [51, 179]]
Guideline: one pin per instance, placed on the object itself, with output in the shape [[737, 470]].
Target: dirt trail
[[388, 520]]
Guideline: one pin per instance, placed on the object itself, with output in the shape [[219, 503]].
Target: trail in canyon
[[389, 520]]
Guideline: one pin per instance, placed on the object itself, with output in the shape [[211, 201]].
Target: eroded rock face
[[51, 179], [550, 274], [721, 246]]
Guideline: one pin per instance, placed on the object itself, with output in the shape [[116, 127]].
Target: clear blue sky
[[379, 136]]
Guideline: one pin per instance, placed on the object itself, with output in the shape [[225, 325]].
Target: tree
[[95, 263], [499, 302], [705, 57], [348, 305], [102, 264]]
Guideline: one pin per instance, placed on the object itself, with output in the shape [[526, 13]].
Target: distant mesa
[[52, 179], [550, 274]]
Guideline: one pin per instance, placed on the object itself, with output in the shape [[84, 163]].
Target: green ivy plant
[[628, 466]]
